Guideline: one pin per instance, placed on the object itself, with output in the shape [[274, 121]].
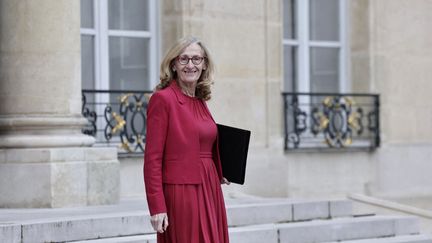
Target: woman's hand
[[225, 181], [159, 222]]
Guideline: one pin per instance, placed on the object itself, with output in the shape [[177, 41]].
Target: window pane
[[87, 62], [324, 20], [129, 64], [290, 67], [324, 69], [128, 14], [289, 17], [87, 14]]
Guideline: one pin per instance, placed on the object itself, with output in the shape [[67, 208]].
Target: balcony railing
[[313, 121], [116, 118], [331, 121]]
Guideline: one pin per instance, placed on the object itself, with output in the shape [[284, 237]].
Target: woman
[[182, 170]]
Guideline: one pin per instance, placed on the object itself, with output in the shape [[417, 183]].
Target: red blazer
[[172, 150]]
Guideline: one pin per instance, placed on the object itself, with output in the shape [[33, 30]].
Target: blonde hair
[[166, 69]]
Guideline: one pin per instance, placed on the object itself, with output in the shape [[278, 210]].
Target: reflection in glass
[[129, 64], [324, 20], [324, 76], [289, 18], [87, 62], [290, 67], [128, 14], [87, 16]]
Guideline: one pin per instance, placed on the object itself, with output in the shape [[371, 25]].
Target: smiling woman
[[188, 72], [168, 71], [182, 169]]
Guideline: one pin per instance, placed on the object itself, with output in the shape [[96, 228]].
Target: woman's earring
[[173, 69]]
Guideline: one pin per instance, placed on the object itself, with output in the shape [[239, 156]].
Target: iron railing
[[315, 121], [331, 121], [116, 118]]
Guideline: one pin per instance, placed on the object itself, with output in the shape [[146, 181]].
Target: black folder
[[233, 149]]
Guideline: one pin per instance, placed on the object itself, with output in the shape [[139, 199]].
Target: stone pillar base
[[58, 177]]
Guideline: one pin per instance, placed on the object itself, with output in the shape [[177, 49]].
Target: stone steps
[[47, 227], [268, 221], [337, 230], [397, 239], [151, 238], [348, 229], [251, 239], [372, 229], [286, 211]]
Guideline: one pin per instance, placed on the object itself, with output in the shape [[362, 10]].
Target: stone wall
[[401, 68], [389, 55]]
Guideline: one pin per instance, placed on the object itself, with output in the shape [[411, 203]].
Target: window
[[119, 52], [315, 50], [119, 44], [315, 46]]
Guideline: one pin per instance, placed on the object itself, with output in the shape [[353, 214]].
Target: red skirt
[[196, 213]]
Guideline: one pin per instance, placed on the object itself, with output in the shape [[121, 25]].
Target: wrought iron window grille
[[331, 121], [116, 118]]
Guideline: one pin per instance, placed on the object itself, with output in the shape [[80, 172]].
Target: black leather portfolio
[[233, 149]]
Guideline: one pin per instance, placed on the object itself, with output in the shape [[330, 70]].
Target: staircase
[[250, 221]]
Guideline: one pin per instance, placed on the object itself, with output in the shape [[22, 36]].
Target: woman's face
[[190, 63]]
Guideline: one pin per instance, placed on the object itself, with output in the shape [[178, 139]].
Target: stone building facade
[[45, 160]]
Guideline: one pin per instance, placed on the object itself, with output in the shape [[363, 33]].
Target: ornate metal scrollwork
[[124, 122], [337, 120], [129, 123], [114, 122], [299, 120], [90, 128]]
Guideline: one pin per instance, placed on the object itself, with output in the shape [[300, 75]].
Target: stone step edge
[[414, 238], [343, 229], [331, 208], [129, 239], [270, 233], [126, 223], [390, 205], [152, 239], [278, 212]]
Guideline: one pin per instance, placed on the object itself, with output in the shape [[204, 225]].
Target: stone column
[[45, 160]]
